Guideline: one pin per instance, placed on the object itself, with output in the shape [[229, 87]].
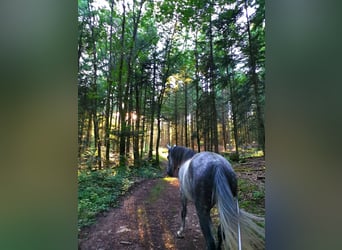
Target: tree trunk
[[81, 121], [234, 113], [224, 130], [176, 118], [97, 141], [197, 80], [153, 104], [186, 115], [142, 141], [255, 83], [121, 104], [213, 127], [109, 89], [87, 139], [136, 154]]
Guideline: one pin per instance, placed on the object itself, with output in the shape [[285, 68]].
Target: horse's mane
[[180, 154]]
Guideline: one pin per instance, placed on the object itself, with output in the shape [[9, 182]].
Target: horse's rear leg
[[219, 237], [206, 224], [183, 214]]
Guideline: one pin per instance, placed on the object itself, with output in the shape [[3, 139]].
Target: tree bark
[[97, 141], [213, 127], [234, 113], [197, 80], [121, 104], [255, 83], [186, 115], [109, 101], [153, 104]]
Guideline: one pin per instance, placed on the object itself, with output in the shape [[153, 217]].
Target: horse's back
[[203, 168], [206, 162]]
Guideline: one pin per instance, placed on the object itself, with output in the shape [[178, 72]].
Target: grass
[[156, 190], [99, 190]]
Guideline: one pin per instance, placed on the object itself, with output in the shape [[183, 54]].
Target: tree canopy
[[182, 72]]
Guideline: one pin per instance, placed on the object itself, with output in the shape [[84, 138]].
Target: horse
[[208, 179]]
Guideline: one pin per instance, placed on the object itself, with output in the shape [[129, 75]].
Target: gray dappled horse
[[207, 179]]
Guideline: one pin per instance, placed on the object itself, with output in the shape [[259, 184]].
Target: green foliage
[[251, 196], [248, 153], [99, 190], [243, 155], [233, 157]]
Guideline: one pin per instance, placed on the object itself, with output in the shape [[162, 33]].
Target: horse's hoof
[[180, 234]]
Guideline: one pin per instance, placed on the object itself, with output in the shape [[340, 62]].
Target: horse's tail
[[240, 230]]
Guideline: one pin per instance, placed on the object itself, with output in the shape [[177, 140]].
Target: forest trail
[[148, 218]]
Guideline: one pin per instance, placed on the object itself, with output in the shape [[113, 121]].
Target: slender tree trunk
[[81, 123], [255, 83], [136, 154], [150, 149], [234, 113], [192, 130], [109, 88], [117, 130], [181, 123], [228, 131], [121, 103], [169, 139], [213, 127], [129, 120], [153, 104], [186, 115], [142, 141], [176, 118], [224, 131], [158, 133], [198, 138], [89, 122], [81, 115], [97, 141], [159, 104]]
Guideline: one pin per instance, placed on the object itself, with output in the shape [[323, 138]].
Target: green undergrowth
[[243, 155], [99, 190], [251, 197]]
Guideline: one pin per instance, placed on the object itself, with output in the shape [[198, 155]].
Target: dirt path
[[147, 219]]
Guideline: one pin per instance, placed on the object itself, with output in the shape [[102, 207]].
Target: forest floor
[[149, 215]]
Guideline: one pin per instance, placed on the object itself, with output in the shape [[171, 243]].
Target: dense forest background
[[190, 73]]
